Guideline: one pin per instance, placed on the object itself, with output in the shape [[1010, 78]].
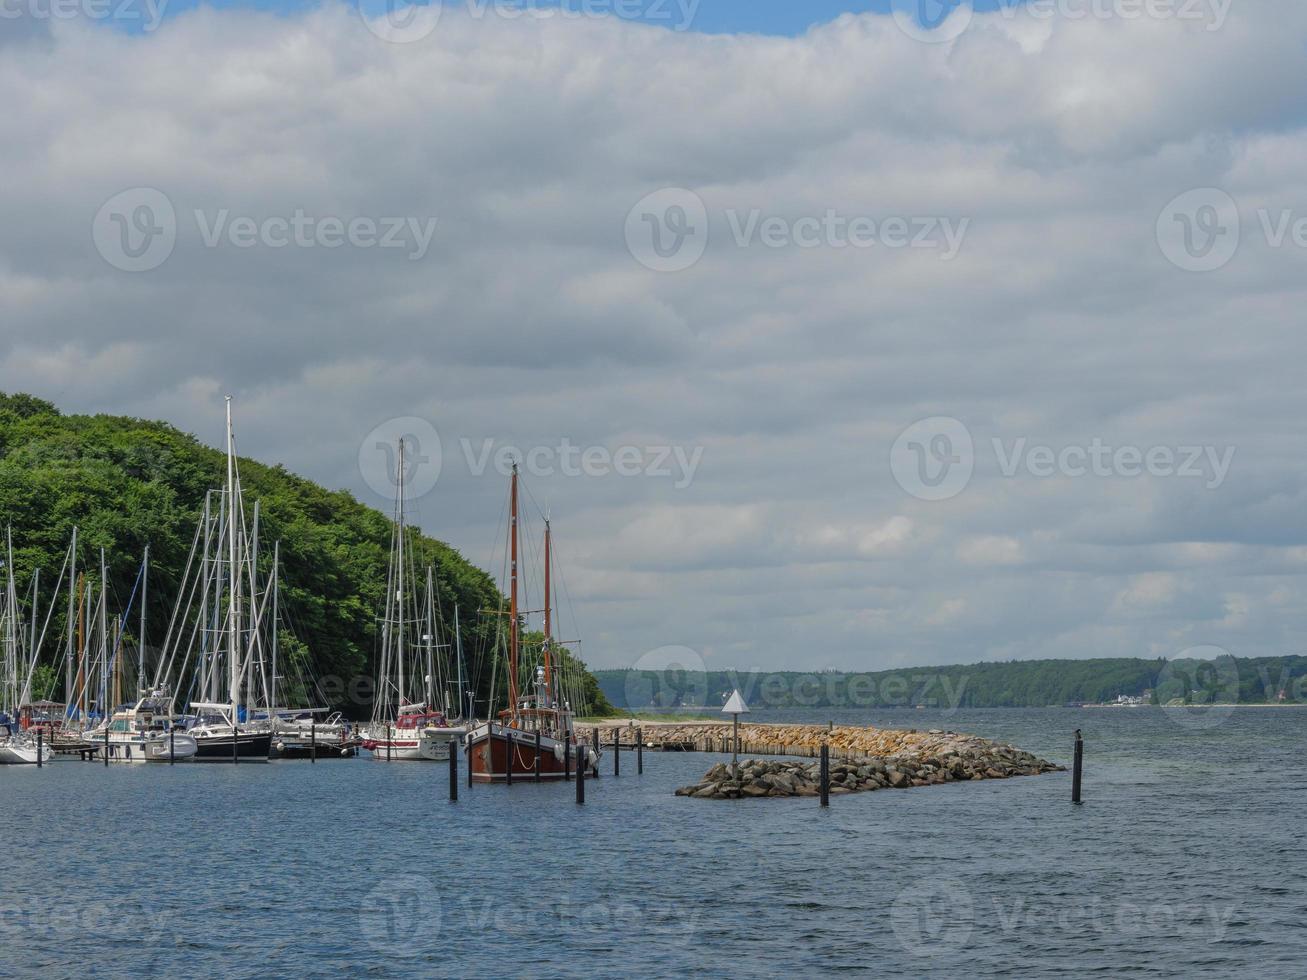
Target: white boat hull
[[135, 747], [16, 753], [412, 744]]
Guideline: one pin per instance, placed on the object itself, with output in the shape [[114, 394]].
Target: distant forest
[[1017, 684]]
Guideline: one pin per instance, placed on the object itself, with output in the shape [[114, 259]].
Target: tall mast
[[512, 613], [399, 576], [104, 636], [549, 665], [72, 618], [430, 614], [82, 683], [233, 581], [140, 665], [458, 650], [276, 603]]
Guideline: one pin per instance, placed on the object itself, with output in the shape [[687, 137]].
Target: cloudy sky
[[875, 344]]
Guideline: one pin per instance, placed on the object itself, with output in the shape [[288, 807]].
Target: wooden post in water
[[40, 746], [1077, 768], [313, 740], [824, 775], [453, 773], [106, 746], [639, 751], [537, 753], [172, 745], [617, 752], [390, 737], [469, 760], [580, 772]]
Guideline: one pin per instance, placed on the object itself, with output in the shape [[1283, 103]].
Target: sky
[[840, 345]]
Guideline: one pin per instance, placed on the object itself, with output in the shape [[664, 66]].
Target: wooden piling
[[825, 775], [40, 747], [453, 773], [617, 752], [390, 737], [1077, 768], [313, 741], [172, 746], [106, 746], [639, 751], [580, 773]]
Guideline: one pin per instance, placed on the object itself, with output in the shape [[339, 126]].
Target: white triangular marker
[[736, 705]]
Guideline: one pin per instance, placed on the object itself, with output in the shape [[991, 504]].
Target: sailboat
[[17, 747], [218, 727], [537, 729], [405, 728]]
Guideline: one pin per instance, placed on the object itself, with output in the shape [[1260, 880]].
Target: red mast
[[549, 666], [512, 628]]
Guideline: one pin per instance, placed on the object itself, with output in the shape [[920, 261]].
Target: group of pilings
[[574, 763]]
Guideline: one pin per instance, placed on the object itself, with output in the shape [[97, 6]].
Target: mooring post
[[390, 737], [617, 752], [1077, 768], [825, 775], [106, 747], [580, 772], [567, 756], [172, 746], [469, 760], [313, 741], [639, 751], [40, 746], [453, 773]]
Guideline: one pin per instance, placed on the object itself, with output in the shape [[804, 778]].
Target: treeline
[[1016, 684], [127, 483]]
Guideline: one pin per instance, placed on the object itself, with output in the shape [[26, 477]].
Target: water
[[1185, 861]]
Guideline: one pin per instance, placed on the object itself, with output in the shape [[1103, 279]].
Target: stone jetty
[[864, 760]]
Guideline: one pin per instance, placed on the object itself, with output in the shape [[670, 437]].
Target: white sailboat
[[405, 728], [17, 747]]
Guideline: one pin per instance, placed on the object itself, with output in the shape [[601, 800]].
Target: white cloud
[[1059, 320]]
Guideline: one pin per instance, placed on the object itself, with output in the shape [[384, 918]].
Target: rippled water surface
[[1186, 860]]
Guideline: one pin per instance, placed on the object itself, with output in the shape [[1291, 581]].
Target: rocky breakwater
[[938, 757]]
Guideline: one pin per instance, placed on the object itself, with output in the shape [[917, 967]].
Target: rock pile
[[948, 758]]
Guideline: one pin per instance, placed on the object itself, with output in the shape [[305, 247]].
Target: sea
[[1185, 859]]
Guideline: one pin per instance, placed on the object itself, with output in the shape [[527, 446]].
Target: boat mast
[[512, 614], [276, 602], [430, 637], [399, 577], [458, 651], [140, 660], [104, 637], [72, 619], [233, 580], [549, 666]]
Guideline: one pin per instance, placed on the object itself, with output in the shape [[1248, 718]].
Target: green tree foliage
[[126, 483]]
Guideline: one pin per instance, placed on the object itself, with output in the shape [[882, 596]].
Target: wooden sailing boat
[[537, 729]]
